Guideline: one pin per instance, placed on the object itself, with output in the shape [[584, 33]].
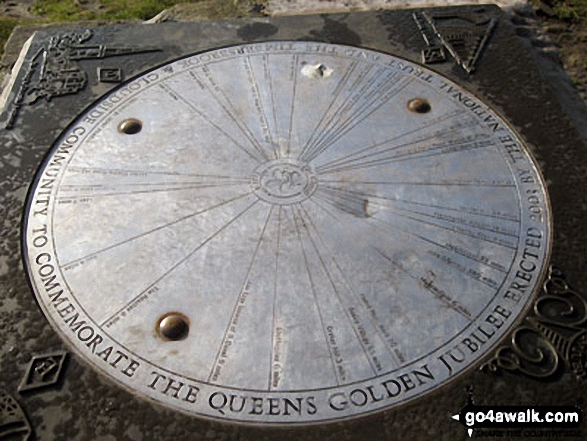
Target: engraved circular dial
[[275, 233]]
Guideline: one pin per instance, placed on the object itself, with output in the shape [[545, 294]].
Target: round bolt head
[[419, 105], [130, 126], [173, 326]]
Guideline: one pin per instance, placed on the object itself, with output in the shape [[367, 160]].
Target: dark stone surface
[[86, 406]]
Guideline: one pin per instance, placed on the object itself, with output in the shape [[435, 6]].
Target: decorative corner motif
[[555, 329], [109, 74], [43, 370], [55, 71], [462, 34], [13, 421]]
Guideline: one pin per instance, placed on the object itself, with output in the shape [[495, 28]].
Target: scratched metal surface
[[84, 404]]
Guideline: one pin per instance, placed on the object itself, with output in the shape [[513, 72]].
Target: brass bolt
[[173, 326], [130, 126], [419, 105]]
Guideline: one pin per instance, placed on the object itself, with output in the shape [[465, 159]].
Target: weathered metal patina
[[303, 215], [281, 222]]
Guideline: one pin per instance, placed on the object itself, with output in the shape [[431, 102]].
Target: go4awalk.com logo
[[518, 417]]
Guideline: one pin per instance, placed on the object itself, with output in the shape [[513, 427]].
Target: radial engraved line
[[349, 287], [392, 81], [154, 184], [501, 216], [275, 279], [193, 108], [337, 294], [341, 163], [449, 145], [234, 309], [126, 193], [464, 313], [230, 111], [507, 184], [337, 90], [445, 248], [177, 264], [122, 171], [461, 310], [362, 114], [439, 245], [391, 208], [409, 156], [396, 228], [347, 158], [65, 265], [257, 96], [347, 104], [293, 102], [270, 81], [453, 229], [335, 115], [359, 91], [311, 279]]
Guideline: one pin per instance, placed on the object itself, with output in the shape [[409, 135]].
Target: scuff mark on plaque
[[463, 35], [13, 421], [55, 71], [43, 371]]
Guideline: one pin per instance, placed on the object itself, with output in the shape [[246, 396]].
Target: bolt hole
[[173, 326], [130, 126], [419, 105]]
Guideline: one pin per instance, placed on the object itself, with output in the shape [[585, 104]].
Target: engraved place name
[[78, 263], [337, 354], [476, 257], [101, 171], [368, 344], [444, 297], [503, 229], [257, 100], [123, 312], [476, 275], [232, 331], [385, 332], [277, 361]]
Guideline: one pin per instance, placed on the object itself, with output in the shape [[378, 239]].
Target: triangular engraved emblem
[[463, 35], [13, 421], [43, 370]]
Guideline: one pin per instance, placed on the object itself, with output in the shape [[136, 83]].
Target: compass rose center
[[284, 181]]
